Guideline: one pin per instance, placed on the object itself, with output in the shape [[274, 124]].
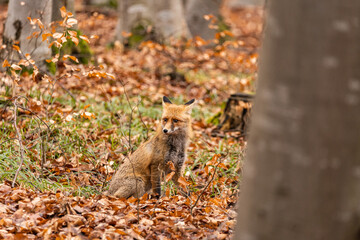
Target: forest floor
[[77, 126]]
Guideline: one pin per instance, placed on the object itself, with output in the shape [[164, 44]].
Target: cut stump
[[236, 116]]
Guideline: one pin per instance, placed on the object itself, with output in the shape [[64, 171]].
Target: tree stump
[[236, 116]]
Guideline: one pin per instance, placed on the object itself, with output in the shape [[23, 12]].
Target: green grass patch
[[78, 151]]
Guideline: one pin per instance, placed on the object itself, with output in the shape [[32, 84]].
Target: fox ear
[[166, 101], [189, 105], [190, 102]]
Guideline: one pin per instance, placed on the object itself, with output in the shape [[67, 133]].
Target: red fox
[[142, 170]]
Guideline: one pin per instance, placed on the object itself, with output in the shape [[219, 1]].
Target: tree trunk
[[302, 174], [96, 2], [243, 3], [56, 14], [195, 11], [18, 28], [169, 19], [132, 12], [166, 16], [236, 116]]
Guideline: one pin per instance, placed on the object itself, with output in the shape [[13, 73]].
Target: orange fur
[[142, 170]]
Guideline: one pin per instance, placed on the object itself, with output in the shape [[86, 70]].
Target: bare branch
[[19, 137], [207, 185]]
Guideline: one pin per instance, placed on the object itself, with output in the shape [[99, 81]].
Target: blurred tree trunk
[[18, 28], [302, 174], [96, 2], [56, 14], [167, 17], [130, 13], [195, 11], [241, 3]]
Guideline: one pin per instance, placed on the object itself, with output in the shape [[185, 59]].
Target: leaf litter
[[204, 204]]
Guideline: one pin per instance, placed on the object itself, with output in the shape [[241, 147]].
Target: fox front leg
[[179, 169], [155, 179]]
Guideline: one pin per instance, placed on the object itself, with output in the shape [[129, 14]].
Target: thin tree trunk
[[166, 16], [302, 173], [96, 2], [169, 19], [241, 3], [18, 28], [194, 13], [56, 14], [130, 13]]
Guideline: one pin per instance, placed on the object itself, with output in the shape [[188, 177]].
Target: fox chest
[[176, 154]]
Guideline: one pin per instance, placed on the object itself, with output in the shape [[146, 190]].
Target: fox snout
[[168, 127], [168, 131]]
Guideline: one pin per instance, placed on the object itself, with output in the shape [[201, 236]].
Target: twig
[[34, 114], [153, 214], [107, 129], [7, 103], [104, 182], [129, 141], [7, 140], [43, 155], [136, 189], [53, 82], [131, 113], [207, 185], [142, 121], [20, 143], [66, 90]]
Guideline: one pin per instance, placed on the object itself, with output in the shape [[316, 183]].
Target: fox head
[[176, 118]]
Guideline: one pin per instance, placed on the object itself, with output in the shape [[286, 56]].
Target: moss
[[214, 120], [113, 4], [51, 67], [109, 4]]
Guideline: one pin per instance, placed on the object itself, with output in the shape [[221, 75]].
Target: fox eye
[[165, 119], [175, 120]]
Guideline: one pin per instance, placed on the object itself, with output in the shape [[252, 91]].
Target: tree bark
[[194, 13], [131, 12], [169, 19], [166, 16], [242, 3], [56, 14], [236, 116], [302, 173], [96, 2], [18, 28]]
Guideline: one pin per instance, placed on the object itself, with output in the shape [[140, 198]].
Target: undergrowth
[[74, 140], [78, 141]]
